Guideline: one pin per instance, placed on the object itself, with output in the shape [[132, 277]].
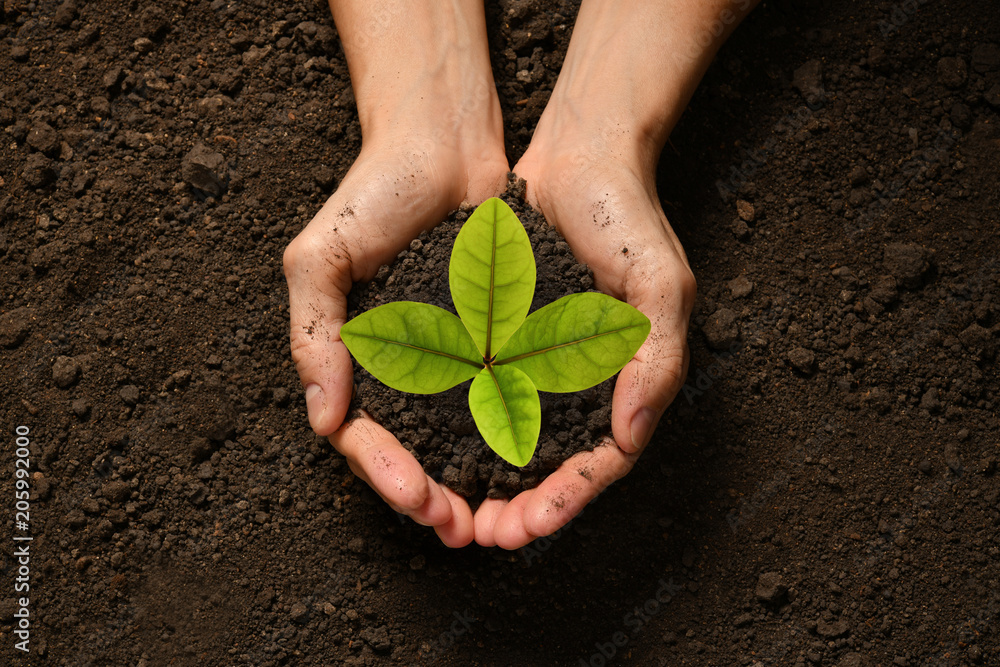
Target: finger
[[486, 519], [436, 510], [509, 531], [378, 458], [664, 292], [459, 530], [564, 493], [319, 277], [345, 242]]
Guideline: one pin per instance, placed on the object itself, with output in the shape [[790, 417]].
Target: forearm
[[407, 58], [632, 66]]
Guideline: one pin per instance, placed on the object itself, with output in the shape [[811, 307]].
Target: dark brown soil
[[824, 492], [438, 429]]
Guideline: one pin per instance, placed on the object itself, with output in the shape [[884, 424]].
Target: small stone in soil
[[129, 394], [907, 262], [721, 329], [802, 359], [65, 371], [14, 326], [205, 170], [299, 613], [43, 138], [80, 407], [117, 491], [771, 588], [740, 287], [745, 210]]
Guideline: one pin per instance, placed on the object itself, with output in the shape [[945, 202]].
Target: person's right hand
[[432, 140], [389, 196]]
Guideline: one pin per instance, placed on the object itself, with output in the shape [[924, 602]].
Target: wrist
[[421, 70]]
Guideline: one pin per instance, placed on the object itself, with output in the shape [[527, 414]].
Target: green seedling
[[568, 345]]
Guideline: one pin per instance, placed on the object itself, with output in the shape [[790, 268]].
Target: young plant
[[568, 345]]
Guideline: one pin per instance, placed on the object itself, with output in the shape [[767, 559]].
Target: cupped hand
[[610, 215], [393, 192]]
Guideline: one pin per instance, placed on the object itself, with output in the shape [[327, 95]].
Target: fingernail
[[315, 403], [641, 428]]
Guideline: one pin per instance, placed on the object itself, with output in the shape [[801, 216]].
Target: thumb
[[648, 383], [318, 272]]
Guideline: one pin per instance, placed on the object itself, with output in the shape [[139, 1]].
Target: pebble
[[44, 138], [65, 371], [802, 359], [14, 326], [858, 176], [143, 45], [80, 407], [280, 396], [721, 329], [116, 491], [740, 229], [925, 466], [90, 506], [745, 210], [201, 448], [113, 78], [832, 630], [265, 598], [75, 519], [908, 263], [38, 171], [40, 486], [65, 14], [978, 340], [930, 401], [130, 394], [153, 23], [325, 177], [205, 170], [952, 71], [299, 613], [152, 518], [740, 287], [198, 493], [771, 587]]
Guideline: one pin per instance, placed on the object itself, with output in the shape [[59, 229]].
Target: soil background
[[823, 492]]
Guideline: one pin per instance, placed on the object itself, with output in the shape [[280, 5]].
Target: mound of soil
[[438, 429], [824, 491]]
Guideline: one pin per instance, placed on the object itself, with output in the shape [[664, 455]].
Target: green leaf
[[414, 347], [576, 342], [507, 411], [492, 275]]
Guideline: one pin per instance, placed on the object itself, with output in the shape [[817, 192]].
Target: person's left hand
[[614, 223]]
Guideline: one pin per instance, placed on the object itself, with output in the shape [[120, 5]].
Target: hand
[[590, 170], [612, 220], [432, 139]]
